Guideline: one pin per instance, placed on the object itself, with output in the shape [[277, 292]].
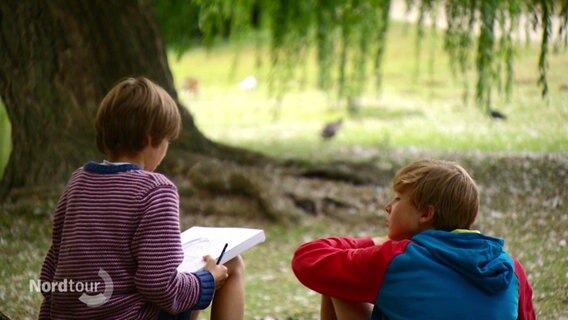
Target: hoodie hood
[[479, 258]]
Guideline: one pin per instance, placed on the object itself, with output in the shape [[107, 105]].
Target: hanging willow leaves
[[359, 28], [479, 39], [458, 40], [383, 11], [563, 17], [501, 47], [325, 41], [240, 23], [346, 21], [361, 56], [212, 19], [546, 9], [514, 13], [422, 12], [485, 53], [179, 31], [434, 7]]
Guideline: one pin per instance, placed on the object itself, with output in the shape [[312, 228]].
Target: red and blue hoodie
[[435, 275]]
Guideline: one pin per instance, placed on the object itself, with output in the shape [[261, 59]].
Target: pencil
[[222, 253]]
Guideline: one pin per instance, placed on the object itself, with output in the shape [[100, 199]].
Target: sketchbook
[[201, 241]]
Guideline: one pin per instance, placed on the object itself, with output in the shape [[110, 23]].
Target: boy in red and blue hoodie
[[431, 265]]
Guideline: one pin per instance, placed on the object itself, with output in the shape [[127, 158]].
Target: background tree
[[58, 60], [348, 35]]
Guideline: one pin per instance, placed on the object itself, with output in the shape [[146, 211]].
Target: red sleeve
[[345, 268], [526, 310]]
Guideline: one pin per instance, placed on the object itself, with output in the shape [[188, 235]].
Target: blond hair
[[445, 186], [133, 110]]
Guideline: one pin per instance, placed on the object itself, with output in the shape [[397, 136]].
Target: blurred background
[[307, 108]]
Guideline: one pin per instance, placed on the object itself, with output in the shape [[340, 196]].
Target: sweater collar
[[94, 167]]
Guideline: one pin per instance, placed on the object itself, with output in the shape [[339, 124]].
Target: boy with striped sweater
[[117, 225]]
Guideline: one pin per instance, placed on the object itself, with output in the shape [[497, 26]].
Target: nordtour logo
[[86, 288]]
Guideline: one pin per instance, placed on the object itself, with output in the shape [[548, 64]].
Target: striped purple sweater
[[125, 222]]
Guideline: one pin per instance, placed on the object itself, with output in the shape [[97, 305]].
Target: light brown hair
[[445, 186], [133, 110]]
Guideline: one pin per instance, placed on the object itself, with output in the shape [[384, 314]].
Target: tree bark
[[59, 58]]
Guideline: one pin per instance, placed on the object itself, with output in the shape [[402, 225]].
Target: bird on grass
[[497, 115], [331, 129]]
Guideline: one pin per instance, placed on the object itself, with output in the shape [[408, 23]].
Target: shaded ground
[[524, 200]]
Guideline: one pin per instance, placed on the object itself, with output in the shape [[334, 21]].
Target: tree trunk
[[59, 58]]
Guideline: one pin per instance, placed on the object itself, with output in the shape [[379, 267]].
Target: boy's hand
[[218, 271], [380, 240]]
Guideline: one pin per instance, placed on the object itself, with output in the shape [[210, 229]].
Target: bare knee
[[236, 266]]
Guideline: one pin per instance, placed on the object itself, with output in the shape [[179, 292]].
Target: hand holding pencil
[[219, 271]]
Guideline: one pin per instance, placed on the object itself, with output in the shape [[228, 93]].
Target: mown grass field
[[423, 112], [521, 165]]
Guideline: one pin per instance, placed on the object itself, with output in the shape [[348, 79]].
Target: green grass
[[413, 116], [425, 113], [521, 165], [523, 200]]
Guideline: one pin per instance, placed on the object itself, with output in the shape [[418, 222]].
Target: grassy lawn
[[523, 201], [425, 113], [521, 165]]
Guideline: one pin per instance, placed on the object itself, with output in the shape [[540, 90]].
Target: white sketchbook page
[[201, 241]]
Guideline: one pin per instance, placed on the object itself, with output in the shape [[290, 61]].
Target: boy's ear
[[427, 215]]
